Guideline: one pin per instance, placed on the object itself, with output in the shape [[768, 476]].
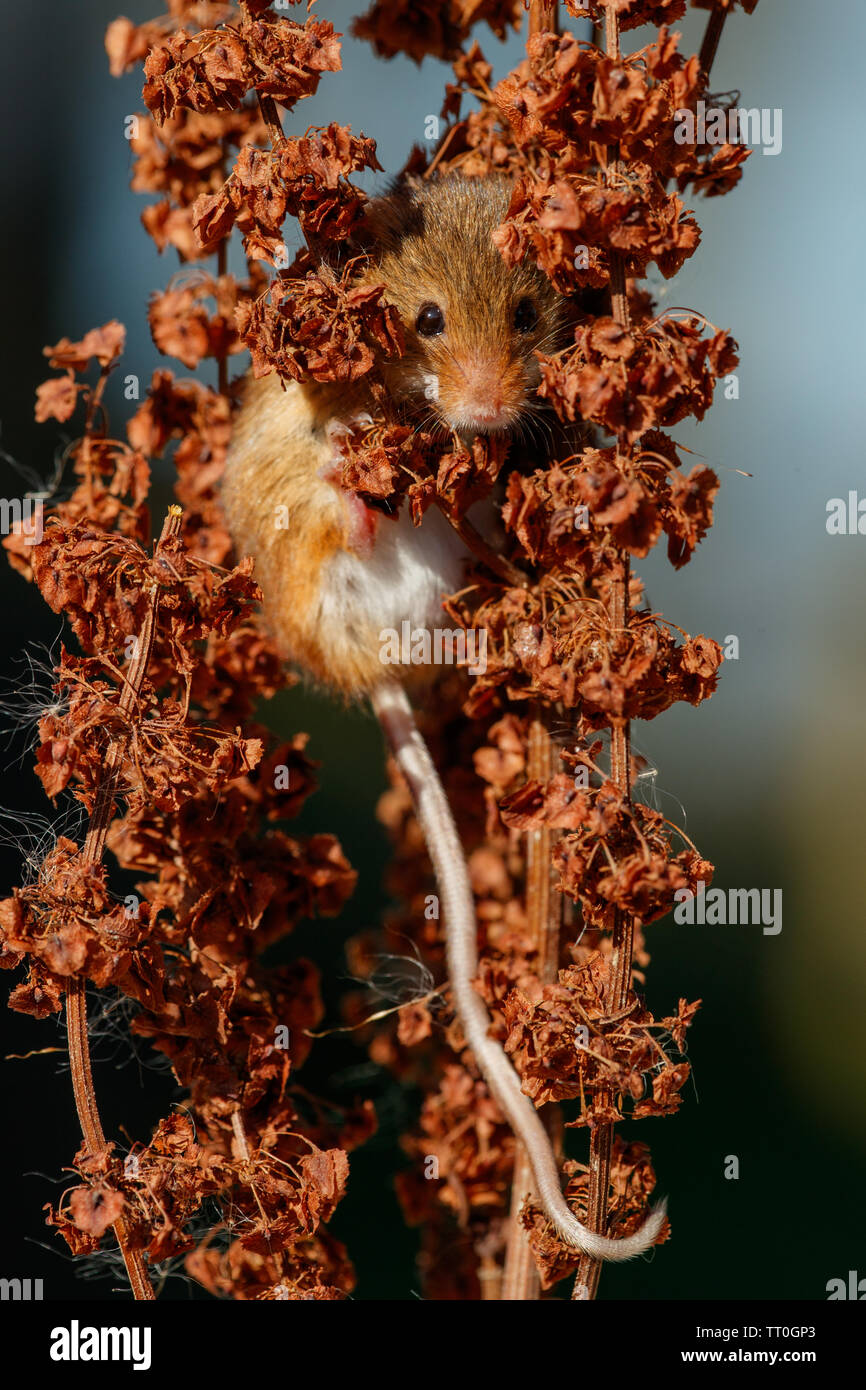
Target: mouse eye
[[525, 316], [430, 321]]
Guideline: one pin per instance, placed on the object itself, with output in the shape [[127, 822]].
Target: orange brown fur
[[432, 243], [277, 449]]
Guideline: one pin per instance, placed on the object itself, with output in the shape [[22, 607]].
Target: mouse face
[[472, 322]]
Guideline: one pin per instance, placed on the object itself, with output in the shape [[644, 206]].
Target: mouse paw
[[337, 430], [362, 520]]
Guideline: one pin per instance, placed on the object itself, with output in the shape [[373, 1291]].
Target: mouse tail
[[394, 712]]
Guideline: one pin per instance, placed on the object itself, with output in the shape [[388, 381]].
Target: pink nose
[[484, 394], [485, 407]]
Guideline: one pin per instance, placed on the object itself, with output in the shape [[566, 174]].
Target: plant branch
[[271, 118], [94, 404], [543, 17], [543, 913], [94, 846], [222, 268], [222, 360], [622, 923], [712, 35], [474, 541]]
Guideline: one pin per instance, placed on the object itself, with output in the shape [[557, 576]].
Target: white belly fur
[[410, 570]]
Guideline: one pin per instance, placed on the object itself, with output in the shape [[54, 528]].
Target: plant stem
[[76, 1000], [622, 923], [268, 106], [222, 360], [271, 118], [88, 1118], [543, 17], [94, 403], [715, 25], [543, 911], [474, 541]]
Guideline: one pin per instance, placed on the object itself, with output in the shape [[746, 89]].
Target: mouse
[[335, 572]]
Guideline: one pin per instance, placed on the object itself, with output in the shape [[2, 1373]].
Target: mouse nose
[[484, 398], [485, 407]]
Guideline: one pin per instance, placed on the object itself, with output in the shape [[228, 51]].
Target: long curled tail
[[394, 713]]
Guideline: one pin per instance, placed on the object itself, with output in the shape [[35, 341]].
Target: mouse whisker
[[461, 369]]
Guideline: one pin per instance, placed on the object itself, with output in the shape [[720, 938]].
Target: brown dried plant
[[153, 729]]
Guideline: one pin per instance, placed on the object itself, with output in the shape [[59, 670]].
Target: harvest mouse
[[340, 572]]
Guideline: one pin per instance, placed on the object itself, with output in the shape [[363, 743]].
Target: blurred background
[[767, 778]]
